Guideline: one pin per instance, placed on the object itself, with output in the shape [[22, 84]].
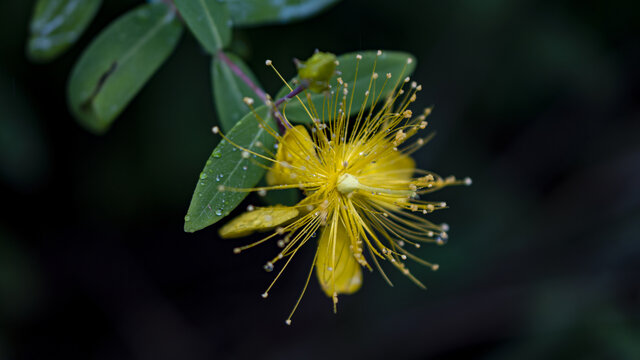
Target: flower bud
[[317, 71]]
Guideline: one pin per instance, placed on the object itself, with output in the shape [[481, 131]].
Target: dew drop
[[268, 267], [219, 212]]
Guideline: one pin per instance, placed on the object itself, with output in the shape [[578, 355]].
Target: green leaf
[[393, 62], [119, 62], [209, 22], [229, 90], [229, 168], [259, 12], [56, 25]]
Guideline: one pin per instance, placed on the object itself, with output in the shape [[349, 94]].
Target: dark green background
[[537, 101]]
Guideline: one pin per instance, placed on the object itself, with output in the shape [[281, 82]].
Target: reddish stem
[[236, 70]]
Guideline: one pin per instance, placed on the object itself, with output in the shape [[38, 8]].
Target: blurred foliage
[[57, 24], [23, 155], [208, 20], [119, 62], [259, 12]]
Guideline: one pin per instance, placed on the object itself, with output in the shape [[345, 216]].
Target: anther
[[379, 53], [265, 295], [268, 266], [359, 57], [247, 100], [245, 154], [215, 129], [268, 62]]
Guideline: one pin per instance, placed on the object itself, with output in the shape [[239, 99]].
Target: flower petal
[[337, 269], [294, 151], [260, 219], [394, 167]]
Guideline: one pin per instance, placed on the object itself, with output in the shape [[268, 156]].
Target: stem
[[236, 70], [300, 88], [282, 124], [173, 8]]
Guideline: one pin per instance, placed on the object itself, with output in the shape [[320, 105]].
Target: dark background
[[537, 101]]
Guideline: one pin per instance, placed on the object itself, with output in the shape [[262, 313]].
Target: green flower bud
[[317, 71]]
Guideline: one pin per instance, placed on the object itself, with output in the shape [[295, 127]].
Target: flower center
[[347, 183]]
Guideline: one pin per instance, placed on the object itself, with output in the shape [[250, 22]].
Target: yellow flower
[[362, 190]]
